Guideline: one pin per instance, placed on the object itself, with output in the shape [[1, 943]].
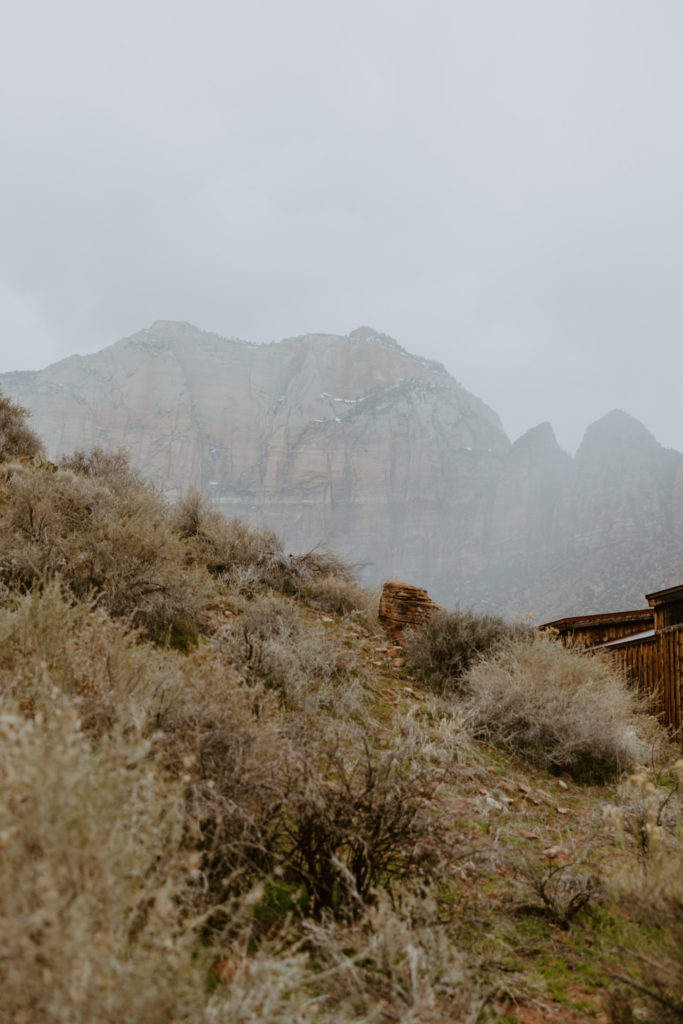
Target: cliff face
[[349, 442], [354, 443]]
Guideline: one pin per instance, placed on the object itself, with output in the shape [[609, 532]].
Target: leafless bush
[[113, 468], [443, 647], [563, 888], [562, 709], [16, 437], [349, 829]]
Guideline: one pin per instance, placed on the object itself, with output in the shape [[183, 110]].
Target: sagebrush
[[443, 647], [563, 709]]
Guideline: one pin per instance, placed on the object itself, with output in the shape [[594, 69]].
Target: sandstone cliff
[[354, 443]]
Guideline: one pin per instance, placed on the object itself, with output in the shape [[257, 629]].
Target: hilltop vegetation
[[226, 798]]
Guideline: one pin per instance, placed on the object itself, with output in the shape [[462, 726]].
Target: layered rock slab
[[403, 605]]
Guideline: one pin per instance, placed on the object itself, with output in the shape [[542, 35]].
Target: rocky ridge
[[354, 443]]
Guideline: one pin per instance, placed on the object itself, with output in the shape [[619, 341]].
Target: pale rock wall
[[354, 443]]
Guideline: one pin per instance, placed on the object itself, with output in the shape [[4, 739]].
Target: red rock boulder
[[402, 605]]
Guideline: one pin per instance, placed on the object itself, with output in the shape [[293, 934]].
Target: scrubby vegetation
[[448, 643], [564, 710], [17, 440], [648, 885], [226, 799]]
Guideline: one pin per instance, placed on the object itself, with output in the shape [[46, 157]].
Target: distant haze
[[494, 184]]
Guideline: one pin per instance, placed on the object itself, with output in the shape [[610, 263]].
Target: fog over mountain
[[353, 443], [495, 183]]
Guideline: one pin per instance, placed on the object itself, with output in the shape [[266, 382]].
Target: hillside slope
[[227, 798]]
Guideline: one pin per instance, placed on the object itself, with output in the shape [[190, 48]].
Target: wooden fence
[[655, 666]]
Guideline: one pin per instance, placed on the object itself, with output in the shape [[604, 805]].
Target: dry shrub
[[50, 644], [350, 828], [444, 646], [144, 793], [435, 735], [248, 560], [564, 710], [99, 895], [16, 437], [91, 871], [113, 468], [113, 542], [225, 546], [217, 739], [339, 596], [227, 744], [399, 962], [562, 890], [647, 885], [324, 581], [394, 963], [648, 809], [271, 644]]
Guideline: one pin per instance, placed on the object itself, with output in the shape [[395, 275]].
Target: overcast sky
[[495, 183]]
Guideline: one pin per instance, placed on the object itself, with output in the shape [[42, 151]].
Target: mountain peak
[[539, 438], [616, 432], [370, 334]]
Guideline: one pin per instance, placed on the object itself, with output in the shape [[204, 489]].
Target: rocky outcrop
[[354, 443], [348, 442], [401, 606]]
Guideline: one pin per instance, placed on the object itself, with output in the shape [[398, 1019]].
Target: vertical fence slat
[[654, 667]]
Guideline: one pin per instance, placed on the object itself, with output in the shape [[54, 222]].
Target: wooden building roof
[[661, 596], [598, 619]]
